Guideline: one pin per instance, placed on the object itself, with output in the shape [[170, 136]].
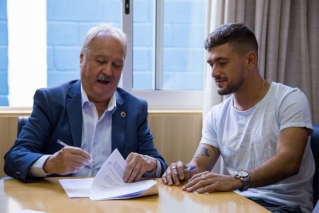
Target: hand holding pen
[[176, 173], [67, 160], [186, 170], [65, 145]]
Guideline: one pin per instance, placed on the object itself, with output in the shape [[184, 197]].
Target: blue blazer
[[57, 114]]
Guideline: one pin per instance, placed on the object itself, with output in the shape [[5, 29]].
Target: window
[[165, 61], [168, 53]]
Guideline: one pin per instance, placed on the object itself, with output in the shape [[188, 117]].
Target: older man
[[92, 116]]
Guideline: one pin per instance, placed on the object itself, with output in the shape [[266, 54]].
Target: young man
[[261, 131], [92, 116]]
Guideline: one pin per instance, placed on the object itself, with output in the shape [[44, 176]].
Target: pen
[[187, 169], [64, 144]]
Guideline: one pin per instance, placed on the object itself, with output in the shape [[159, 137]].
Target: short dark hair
[[239, 37]]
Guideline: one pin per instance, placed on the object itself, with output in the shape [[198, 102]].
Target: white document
[[108, 183], [76, 188]]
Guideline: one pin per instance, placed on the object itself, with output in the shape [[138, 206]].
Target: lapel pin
[[123, 114]]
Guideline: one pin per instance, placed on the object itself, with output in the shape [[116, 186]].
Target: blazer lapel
[[74, 111], [118, 124]]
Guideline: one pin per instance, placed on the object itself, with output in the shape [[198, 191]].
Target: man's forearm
[[273, 170]]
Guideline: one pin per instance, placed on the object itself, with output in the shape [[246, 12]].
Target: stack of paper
[[108, 183]]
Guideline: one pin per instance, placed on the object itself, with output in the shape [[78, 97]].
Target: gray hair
[[104, 28]]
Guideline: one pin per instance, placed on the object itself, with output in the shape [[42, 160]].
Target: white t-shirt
[[246, 139]]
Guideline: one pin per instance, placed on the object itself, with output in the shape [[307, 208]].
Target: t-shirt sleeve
[[209, 130], [294, 111]]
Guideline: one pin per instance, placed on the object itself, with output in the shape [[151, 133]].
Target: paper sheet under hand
[[77, 188], [108, 183]]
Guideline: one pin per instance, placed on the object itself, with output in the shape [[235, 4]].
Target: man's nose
[[107, 69], [215, 72]]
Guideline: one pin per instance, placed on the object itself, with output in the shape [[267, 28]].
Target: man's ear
[[81, 59], [251, 59]]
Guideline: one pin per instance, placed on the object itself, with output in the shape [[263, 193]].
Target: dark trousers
[[278, 208]]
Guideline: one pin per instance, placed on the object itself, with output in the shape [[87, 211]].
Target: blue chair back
[[315, 151], [22, 120]]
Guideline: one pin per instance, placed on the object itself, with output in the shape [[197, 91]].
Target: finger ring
[[203, 177], [174, 167]]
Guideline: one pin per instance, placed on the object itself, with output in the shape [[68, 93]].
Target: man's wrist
[[37, 168], [153, 166], [243, 176], [46, 166], [238, 184]]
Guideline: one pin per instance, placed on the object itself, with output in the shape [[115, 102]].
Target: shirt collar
[[110, 107]]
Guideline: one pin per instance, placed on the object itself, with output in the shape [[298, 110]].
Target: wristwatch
[[244, 177]]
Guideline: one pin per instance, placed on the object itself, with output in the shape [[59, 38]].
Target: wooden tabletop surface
[[49, 196]]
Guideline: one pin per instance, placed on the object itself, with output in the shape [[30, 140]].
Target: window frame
[[158, 99]]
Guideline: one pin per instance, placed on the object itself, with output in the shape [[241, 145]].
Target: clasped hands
[[199, 181], [71, 159]]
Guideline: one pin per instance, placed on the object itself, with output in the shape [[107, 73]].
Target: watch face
[[242, 173]]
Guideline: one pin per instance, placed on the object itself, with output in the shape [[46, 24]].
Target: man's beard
[[231, 87]]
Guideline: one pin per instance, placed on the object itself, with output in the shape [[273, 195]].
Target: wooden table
[[49, 196]]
